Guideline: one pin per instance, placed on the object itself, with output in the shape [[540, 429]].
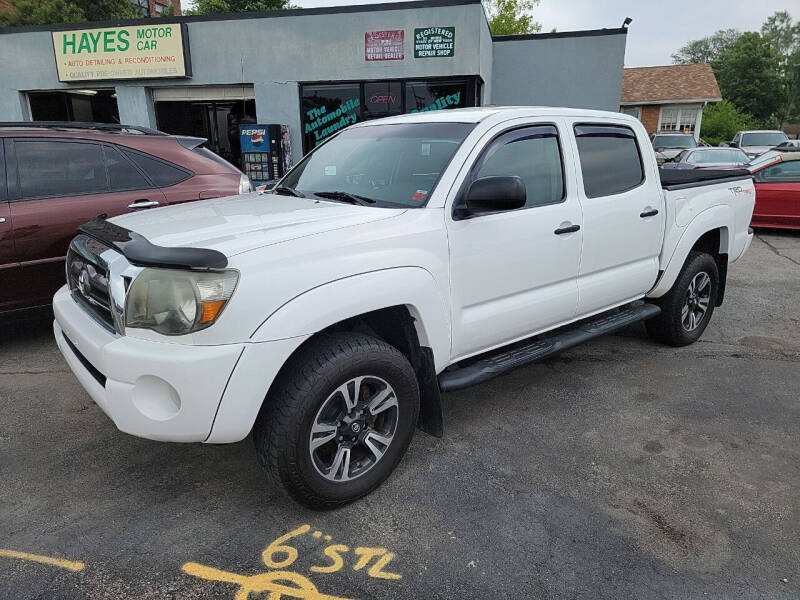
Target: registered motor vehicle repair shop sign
[[434, 42]]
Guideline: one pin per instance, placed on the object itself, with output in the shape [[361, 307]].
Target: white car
[[757, 142], [404, 257]]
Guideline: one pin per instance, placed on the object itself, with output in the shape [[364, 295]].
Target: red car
[[777, 179], [56, 176]]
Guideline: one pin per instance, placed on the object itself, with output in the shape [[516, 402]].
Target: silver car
[[668, 145], [708, 158], [757, 142]]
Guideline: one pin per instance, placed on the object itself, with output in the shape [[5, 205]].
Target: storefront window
[[327, 109], [330, 107], [382, 99], [423, 96], [95, 105]]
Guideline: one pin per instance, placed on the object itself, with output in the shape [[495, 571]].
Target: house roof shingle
[[672, 83]]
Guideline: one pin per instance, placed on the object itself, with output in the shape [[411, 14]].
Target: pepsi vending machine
[[266, 152]]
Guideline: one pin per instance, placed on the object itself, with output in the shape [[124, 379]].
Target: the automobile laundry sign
[[434, 42], [134, 52]]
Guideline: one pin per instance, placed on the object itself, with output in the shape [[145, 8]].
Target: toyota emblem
[[85, 283]]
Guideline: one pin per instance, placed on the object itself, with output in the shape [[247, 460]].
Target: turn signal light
[[211, 310]]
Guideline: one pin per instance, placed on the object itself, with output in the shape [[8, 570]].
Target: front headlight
[[245, 187], [175, 302]]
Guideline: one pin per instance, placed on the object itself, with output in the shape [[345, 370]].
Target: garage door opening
[[93, 105], [216, 120]]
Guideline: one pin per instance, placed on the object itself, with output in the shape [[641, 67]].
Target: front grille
[[87, 277]]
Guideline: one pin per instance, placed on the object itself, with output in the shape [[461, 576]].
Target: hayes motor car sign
[[134, 52]]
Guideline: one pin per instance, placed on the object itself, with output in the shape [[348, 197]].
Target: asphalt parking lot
[[620, 469]]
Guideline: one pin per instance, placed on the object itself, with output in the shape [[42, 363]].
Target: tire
[[308, 400], [673, 326]]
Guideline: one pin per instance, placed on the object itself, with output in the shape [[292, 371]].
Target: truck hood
[[240, 223]]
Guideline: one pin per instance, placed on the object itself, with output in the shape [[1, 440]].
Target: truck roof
[[481, 113]]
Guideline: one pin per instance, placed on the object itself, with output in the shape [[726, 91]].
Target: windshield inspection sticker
[[330, 170], [284, 583], [419, 195]]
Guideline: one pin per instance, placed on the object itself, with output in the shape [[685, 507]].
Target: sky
[[659, 27]]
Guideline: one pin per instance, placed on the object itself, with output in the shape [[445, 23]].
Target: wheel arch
[[401, 306], [709, 232]]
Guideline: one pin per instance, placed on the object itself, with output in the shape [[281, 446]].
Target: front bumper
[[156, 390], [166, 391]]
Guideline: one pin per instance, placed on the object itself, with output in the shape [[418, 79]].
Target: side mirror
[[493, 194]]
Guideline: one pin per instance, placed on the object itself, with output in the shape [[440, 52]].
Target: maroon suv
[[55, 176]]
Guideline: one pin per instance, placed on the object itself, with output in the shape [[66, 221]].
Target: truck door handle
[[144, 204], [568, 229], [649, 213], [2, 219]]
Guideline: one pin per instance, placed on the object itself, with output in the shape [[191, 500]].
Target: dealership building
[[311, 70]]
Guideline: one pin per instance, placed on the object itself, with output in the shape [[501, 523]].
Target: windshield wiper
[[287, 191], [346, 197]]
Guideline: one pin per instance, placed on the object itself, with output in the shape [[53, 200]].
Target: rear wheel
[[339, 420], [687, 308]]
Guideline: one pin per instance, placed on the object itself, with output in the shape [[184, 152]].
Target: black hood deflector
[[140, 252]]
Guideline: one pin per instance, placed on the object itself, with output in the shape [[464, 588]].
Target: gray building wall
[[575, 69], [274, 53]]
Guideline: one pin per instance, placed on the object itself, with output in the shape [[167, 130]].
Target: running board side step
[[500, 363]]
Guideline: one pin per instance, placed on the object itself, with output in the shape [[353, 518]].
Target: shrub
[[721, 121]]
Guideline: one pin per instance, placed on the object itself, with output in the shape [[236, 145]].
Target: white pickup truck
[[402, 258]]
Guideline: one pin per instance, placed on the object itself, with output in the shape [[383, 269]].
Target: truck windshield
[[394, 165], [674, 141], [763, 138]]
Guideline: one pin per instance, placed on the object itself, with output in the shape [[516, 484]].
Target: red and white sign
[[384, 45]]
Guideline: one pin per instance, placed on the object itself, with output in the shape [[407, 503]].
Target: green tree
[[748, 74], [784, 36], [706, 49], [44, 12], [512, 17], [206, 7], [721, 121]]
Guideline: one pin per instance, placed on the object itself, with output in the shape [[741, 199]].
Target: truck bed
[[677, 179]]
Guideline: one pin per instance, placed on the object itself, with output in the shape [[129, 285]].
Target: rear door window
[[122, 174], [610, 159], [160, 172], [59, 168]]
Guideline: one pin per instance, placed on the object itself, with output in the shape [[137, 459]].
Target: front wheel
[[687, 308], [339, 419]]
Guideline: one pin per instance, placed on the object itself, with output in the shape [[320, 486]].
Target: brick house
[[155, 8], [669, 98]]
